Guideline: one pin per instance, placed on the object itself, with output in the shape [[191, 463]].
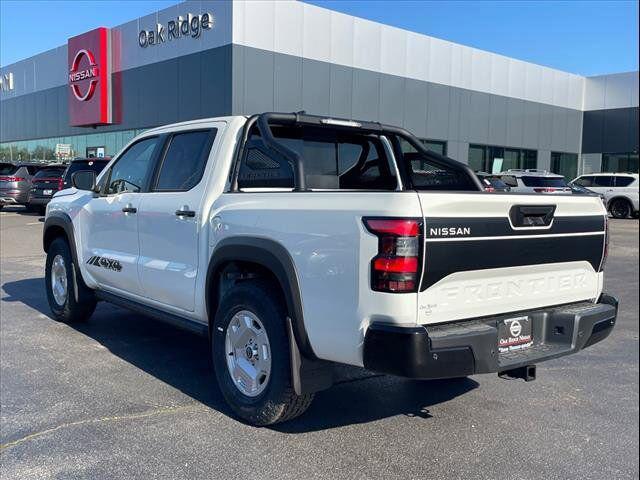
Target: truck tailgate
[[487, 254]]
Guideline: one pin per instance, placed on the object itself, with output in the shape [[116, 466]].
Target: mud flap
[[307, 376]]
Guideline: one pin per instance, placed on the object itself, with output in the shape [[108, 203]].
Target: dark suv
[[79, 164], [43, 185]]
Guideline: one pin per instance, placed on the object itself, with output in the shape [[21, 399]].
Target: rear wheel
[[250, 350], [70, 300], [620, 208]]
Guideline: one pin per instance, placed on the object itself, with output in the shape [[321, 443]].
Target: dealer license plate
[[47, 192], [514, 334]]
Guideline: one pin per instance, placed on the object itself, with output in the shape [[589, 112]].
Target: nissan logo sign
[[78, 77]]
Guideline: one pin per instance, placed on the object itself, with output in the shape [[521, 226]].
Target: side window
[[185, 160], [510, 180], [603, 181], [133, 169], [624, 181], [585, 181]]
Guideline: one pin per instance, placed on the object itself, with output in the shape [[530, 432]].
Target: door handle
[[129, 209], [185, 213]]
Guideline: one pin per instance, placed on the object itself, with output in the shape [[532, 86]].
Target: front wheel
[[70, 300], [620, 208], [251, 358]]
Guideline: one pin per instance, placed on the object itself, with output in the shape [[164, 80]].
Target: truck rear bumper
[[471, 346]]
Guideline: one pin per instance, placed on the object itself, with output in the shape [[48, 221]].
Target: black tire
[[620, 208], [278, 401], [79, 302]]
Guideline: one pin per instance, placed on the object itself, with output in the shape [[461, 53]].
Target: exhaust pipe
[[526, 373]]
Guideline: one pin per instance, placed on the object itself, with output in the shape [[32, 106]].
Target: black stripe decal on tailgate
[[447, 257]]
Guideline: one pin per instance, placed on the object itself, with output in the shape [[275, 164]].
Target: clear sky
[[585, 37]]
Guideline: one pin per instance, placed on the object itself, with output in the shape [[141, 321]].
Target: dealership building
[[213, 58]]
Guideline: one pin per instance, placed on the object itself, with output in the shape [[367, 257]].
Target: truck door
[[171, 219], [111, 245]]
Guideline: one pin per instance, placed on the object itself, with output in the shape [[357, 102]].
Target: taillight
[[605, 250], [489, 189], [60, 183], [12, 179], [396, 268], [544, 189]]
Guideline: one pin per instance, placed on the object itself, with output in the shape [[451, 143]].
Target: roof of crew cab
[[201, 122]]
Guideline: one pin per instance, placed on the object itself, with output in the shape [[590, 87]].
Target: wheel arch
[[270, 256], [59, 224], [619, 197]]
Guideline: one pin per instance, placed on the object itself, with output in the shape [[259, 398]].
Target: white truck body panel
[[165, 258]]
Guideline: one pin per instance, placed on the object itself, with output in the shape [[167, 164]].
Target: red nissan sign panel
[[89, 63]]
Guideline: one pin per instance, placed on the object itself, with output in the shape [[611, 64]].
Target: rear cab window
[[349, 160], [332, 160]]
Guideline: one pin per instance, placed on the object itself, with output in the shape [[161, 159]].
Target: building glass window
[[495, 159], [43, 149], [620, 162], [438, 146], [565, 164]]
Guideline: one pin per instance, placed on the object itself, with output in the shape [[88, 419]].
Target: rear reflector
[[396, 267]]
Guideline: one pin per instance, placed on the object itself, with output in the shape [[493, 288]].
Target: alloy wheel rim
[[248, 353], [620, 209], [59, 280]]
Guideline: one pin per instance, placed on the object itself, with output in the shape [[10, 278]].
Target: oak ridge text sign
[[181, 27]]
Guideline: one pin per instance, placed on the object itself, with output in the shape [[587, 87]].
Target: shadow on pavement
[[181, 360]]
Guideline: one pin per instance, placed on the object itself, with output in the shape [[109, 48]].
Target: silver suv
[[533, 180], [15, 182], [620, 191]]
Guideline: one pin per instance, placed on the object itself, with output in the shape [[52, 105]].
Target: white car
[[532, 180], [297, 242], [620, 191]]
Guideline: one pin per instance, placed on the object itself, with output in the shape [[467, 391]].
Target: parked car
[[535, 181], [15, 182], [43, 185], [294, 242], [492, 183], [94, 164], [620, 191]]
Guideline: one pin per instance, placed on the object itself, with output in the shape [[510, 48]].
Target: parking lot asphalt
[[123, 396]]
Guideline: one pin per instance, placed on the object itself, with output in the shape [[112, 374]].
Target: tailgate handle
[[531, 215]]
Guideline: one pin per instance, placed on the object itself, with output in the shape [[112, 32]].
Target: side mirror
[[84, 180]]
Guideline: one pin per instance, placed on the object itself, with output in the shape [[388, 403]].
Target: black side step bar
[[170, 318]]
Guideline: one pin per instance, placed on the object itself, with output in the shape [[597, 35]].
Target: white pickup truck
[[298, 242]]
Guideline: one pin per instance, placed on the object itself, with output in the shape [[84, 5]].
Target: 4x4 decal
[[108, 263]]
